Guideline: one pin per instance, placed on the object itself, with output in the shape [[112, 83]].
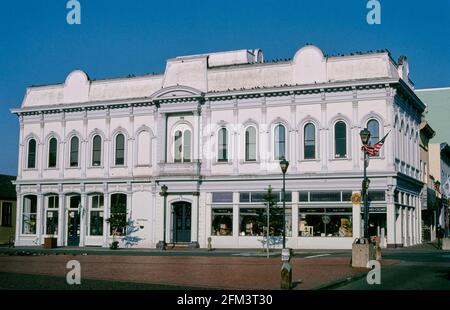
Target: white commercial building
[[212, 128]]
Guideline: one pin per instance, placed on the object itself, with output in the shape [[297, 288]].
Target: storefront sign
[[375, 209]]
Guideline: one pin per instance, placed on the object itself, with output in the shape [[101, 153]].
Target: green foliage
[[114, 245], [275, 214], [117, 221]]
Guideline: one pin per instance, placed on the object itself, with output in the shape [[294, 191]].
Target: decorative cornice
[[257, 92]]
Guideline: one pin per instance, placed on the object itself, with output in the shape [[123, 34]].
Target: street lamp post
[[284, 164], [286, 268], [164, 193], [365, 136]]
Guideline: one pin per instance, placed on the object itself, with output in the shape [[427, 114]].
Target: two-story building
[[213, 128]]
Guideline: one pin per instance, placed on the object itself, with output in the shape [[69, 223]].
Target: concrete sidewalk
[[190, 271]]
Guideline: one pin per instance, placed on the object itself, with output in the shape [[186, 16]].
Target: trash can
[[363, 251]]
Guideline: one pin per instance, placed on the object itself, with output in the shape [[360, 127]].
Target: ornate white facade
[[212, 128]]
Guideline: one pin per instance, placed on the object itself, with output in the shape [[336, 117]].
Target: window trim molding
[[27, 140], [287, 129], [246, 125], [46, 208], [175, 128], [126, 139], [50, 136], [141, 129], [92, 135], [89, 209], [332, 144], [228, 144], [381, 128], [301, 130], [21, 223], [68, 153]]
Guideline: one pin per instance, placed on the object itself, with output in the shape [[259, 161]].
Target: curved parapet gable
[[76, 87], [309, 66]]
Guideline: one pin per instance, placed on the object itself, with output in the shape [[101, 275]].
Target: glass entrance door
[[73, 221]]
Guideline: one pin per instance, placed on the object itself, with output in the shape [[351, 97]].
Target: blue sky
[[117, 38]]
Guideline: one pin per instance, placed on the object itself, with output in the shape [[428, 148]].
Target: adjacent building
[[213, 128], [429, 195], [7, 209], [440, 170], [438, 110]]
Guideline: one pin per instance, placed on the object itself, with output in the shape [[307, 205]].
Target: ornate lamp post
[[286, 268], [284, 165], [164, 193], [365, 137]]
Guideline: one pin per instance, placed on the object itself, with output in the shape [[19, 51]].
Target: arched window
[[52, 152], [31, 160], [74, 151], [309, 141], [250, 144], [340, 140], [119, 213], [223, 145], [280, 142], [97, 151], [120, 150], [374, 127], [182, 144]]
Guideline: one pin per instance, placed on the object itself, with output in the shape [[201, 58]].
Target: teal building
[[438, 115]]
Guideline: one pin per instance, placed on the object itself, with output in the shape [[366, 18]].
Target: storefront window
[[253, 222], [29, 215], [222, 222], [52, 215], [119, 209], [96, 216], [325, 222]]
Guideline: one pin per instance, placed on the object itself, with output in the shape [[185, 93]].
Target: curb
[[337, 283]]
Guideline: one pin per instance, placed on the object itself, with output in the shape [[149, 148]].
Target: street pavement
[[419, 267]]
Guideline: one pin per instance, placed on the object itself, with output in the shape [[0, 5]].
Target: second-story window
[[182, 144], [340, 140], [223, 145], [374, 127], [309, 141], [120, 150], [31, 160], [250, 144], [74, 151], [52, 152], [97, 151], [280, 142]]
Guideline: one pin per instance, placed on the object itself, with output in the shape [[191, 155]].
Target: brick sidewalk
[[212, 272]]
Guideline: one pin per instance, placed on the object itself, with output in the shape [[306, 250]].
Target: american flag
[[373, 150]]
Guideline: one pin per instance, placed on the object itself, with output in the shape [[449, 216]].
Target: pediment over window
[[178, 91]]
